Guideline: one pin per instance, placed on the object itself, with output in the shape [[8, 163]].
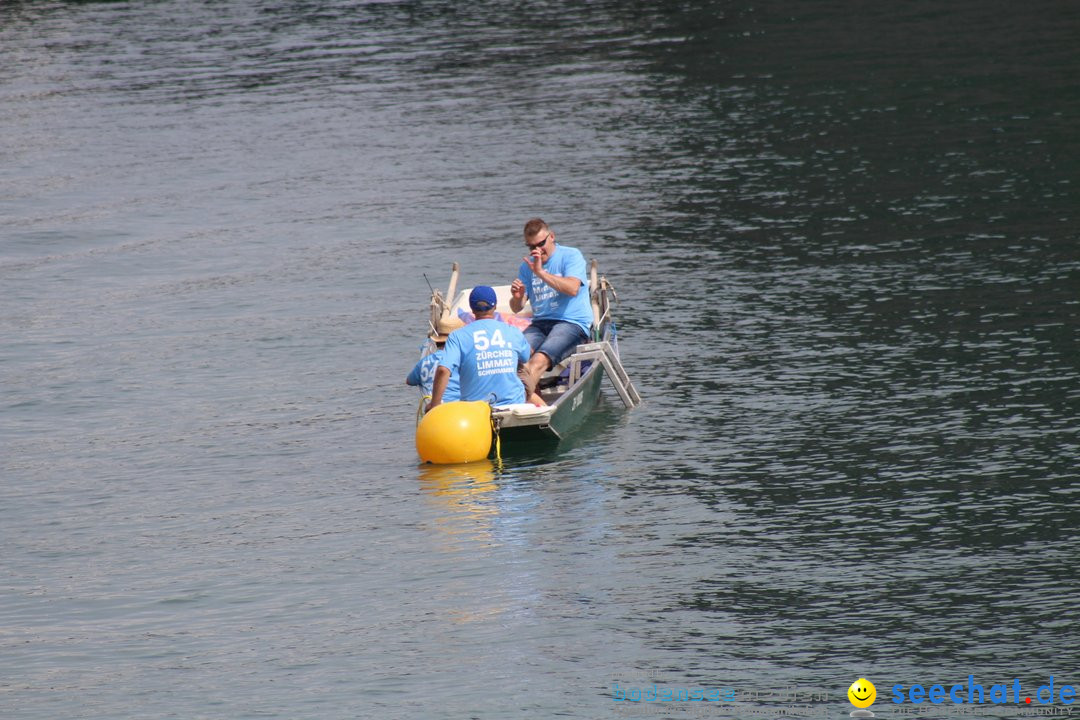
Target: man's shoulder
[[571, 256], [572, 262]]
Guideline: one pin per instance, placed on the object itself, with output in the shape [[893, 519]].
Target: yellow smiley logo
[[862, 693]]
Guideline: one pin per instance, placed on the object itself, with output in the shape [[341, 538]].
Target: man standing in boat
[[553, 277], [484, 355]]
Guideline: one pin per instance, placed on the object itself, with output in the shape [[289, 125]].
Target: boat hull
[[566, 415]]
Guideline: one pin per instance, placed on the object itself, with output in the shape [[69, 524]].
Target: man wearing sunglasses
[[553, 277]]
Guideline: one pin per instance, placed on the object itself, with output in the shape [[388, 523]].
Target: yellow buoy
[[455, 432]]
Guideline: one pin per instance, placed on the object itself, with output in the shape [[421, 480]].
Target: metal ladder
[[603, 352]]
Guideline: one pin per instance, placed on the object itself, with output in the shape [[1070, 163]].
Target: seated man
[[554, 279], [423, 373], [484, 355]]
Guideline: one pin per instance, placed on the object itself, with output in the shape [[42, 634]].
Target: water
[[843, 239]]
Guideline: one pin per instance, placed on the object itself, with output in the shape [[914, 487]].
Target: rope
[[606, 284], [420, 408], [498, 441]]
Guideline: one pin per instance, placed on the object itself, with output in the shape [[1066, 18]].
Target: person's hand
[[535, 260], [431, 406], [517, 289]]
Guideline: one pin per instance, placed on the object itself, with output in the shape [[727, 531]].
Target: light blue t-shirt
[[548, 303], [485, 355], [423, 374]]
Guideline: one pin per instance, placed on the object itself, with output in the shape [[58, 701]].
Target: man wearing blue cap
[[485, 355]]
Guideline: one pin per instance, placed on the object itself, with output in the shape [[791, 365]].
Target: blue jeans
[[554, 338]]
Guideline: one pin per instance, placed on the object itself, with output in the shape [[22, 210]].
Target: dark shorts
[[554, 338]]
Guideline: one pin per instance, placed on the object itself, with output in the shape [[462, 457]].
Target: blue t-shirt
[[550, 304], [423, 374], [485, 355]]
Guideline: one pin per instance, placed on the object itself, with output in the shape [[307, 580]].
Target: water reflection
[[466, 496]]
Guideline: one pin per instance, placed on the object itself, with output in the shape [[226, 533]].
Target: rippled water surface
[[843, 237]]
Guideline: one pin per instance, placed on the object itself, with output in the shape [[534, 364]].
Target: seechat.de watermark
[[972, 692], [960, 698]]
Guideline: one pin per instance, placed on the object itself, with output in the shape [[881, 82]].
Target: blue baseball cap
[[482, 298]]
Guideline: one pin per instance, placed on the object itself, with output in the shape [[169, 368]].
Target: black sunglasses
[[540, 244]]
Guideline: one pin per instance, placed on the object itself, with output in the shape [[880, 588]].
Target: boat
[[571, 389]]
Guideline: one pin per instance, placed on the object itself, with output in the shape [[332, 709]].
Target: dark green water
[[843, 237]]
